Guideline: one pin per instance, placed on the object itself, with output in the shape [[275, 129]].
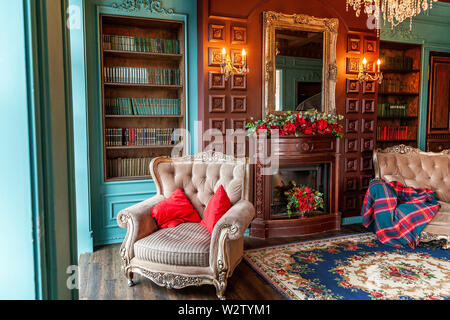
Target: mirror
[[299, 63], [298, 67]]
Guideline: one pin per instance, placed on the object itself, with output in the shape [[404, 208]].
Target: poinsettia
[[303, 199], [303, 122]]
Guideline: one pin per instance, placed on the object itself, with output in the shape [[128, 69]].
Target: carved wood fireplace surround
[[297, 153]]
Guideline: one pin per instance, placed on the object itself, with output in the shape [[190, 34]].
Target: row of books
[[142, 106], [392, 133], [396, 86], [397, 63], [138, 136], [133, 75], [139, 44], [128, 167], [392, 110]]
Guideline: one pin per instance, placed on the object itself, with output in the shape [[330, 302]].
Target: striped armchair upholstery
[[187, 254]]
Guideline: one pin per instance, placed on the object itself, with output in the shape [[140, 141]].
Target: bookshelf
[[143, 92], [398, 94]]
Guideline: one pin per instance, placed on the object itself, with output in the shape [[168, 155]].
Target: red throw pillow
[[175, 210], [217, 206]]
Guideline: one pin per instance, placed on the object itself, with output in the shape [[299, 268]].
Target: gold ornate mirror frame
[[274, 20]]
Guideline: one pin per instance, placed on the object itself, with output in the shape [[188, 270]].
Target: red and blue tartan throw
[[398, 214]]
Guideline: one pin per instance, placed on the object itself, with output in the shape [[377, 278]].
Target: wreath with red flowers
[[302, 199], [309, 122]]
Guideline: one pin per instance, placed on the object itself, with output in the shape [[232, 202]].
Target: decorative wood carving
[[216, 80], [352, 105], [238, 82], [216, 32], [238, 35], [214, 57], [238, 103], [368, 106], [217, 103], [274, 20], [352, 65], [352, 85], [353, 43]]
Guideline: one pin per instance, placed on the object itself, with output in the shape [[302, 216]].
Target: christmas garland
[[308, 122]]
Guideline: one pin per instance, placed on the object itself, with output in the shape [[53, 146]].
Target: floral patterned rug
[[354, 267]]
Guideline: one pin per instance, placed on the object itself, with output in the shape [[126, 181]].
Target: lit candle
[[223, 54], [364, 64], [243, 57], [378, 64]]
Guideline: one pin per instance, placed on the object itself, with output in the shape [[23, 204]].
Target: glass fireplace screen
[[313, 176]]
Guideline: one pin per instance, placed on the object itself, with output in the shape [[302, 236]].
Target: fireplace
[[314, 176], [312, 161]]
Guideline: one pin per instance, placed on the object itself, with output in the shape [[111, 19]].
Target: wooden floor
[[101, 276]]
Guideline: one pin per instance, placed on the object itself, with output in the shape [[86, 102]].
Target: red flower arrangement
[[304, 122], [302, 199]]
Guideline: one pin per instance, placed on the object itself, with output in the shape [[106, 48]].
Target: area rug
[[354, 267]]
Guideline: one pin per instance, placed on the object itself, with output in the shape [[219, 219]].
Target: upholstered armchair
[[188, 255], [417, 169]]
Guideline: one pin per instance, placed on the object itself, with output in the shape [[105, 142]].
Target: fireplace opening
[[314, 176]]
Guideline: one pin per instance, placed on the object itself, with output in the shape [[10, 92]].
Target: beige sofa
[[187, 254], [415, 168]]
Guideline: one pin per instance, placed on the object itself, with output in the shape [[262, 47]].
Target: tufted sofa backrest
[[200, 176], [415, 168]]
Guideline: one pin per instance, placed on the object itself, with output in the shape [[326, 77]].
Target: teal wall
[[99, 202], [17, 267], [293, 70]]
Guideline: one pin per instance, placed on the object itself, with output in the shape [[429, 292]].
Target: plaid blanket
[[398, 214]]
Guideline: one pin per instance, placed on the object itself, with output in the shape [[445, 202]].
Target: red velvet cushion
[[175, 210], [217, 206]]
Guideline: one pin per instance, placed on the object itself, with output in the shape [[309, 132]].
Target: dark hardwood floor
[[101, 276]]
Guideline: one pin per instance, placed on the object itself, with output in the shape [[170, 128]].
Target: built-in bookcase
[[143, 92], [398, 94]]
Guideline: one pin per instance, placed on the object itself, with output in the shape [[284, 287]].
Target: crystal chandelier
[[394, 11]]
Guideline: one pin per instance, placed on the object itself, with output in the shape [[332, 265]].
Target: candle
[[223, 54], [364, 64], [378, 64], [243, 57]]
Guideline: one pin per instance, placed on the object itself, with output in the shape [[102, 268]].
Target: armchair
[[187, 255]]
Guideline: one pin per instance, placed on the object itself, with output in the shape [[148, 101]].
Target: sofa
[[417, 169], [188, 255]]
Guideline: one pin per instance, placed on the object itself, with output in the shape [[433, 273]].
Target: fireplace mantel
[[296, 152]]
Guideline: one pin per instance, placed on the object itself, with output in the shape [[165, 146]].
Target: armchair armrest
[[139, 222], [238, 218], [231, 226]]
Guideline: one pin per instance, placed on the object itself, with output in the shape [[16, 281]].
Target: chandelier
[[394, 11]]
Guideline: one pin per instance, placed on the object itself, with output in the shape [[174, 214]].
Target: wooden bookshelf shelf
[[125, 178], [140, 50], [140, 147], [143, 55], [164, 86], [114, 116]]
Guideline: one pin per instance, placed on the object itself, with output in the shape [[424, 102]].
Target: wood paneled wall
[[226, 107]]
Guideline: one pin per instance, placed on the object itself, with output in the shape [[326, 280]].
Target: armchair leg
[[129, 276], [221, 286]]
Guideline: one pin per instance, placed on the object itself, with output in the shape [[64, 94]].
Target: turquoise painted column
[[17, 230], [38, 233]]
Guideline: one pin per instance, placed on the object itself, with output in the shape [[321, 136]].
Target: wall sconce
[[363, 75], [227, 68]]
